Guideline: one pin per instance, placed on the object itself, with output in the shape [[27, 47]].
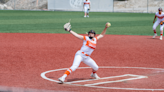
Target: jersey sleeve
[[162, 14], [84, 37], [156, 14], [96, 38]]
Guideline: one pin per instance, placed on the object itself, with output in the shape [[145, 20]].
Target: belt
[[85, 54]]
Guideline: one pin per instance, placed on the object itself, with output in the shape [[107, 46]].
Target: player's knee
[[73, 68], [96, 68], [154, 27], [161, 29]]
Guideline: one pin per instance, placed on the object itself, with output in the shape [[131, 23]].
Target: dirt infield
[[25, 56]]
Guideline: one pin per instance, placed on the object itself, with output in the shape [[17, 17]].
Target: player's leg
[[154, 28], [85, 11], [90, 62], [75, 65], [161, 30], [77, 60]]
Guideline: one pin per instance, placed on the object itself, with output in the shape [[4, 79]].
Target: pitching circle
[[144, 89]]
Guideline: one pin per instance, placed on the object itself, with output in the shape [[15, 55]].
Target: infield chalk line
[[137, 77], [43, 75], [97, 79]]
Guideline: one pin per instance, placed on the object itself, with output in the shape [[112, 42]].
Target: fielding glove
[[67, 26]]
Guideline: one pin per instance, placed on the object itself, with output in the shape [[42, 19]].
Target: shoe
[[84, 16], [95, 76], [88, 16], [160, 38], [61, 80], [154, 35]]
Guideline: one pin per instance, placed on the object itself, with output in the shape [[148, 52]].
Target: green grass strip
[[53, 21]]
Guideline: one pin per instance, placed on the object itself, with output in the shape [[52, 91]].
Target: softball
[[108, 24]]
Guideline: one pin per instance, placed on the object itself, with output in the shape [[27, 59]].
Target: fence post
[[147, 5], [14, 4], [113, 5]]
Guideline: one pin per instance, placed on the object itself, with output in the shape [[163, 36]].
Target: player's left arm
[[74, 33], [77, 35], [154, 19], [67, 27], [103, 32]]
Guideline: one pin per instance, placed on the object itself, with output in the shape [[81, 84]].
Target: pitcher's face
[[91, 35]]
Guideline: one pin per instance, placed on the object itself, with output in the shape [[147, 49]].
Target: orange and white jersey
[[160, 16], [88, 45], [86, 4]]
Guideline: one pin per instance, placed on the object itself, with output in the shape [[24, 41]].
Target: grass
[[53, 21]]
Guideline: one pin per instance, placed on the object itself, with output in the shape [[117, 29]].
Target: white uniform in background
[[159, 19], [86, 7]]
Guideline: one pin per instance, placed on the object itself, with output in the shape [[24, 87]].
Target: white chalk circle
[[117, 88]]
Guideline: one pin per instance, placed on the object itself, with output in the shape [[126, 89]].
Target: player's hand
[[153, 22], [107, 25], [161, 22], [67, 29]]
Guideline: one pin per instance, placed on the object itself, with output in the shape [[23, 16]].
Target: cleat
[[95, 76], [88, 16], [84, 16], [154, 35], [160, 38], [61, 80]]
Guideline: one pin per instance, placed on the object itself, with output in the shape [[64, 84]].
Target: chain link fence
[[144, 6]]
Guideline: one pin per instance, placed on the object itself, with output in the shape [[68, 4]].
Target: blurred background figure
[[160, 18], [86, 8]]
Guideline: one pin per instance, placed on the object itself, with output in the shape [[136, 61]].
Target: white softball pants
[[86, 10], [86, 59], [156, 24]]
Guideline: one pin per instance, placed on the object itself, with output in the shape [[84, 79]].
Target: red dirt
[[24, 56]]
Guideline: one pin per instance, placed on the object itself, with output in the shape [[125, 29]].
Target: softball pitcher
[[89, 44], [86, 7], [160, 20]]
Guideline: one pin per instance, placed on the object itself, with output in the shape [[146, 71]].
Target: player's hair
[[92, 31], [160, 9]]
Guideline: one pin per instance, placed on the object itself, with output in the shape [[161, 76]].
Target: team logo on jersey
[[91, 45], [76, 3]]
